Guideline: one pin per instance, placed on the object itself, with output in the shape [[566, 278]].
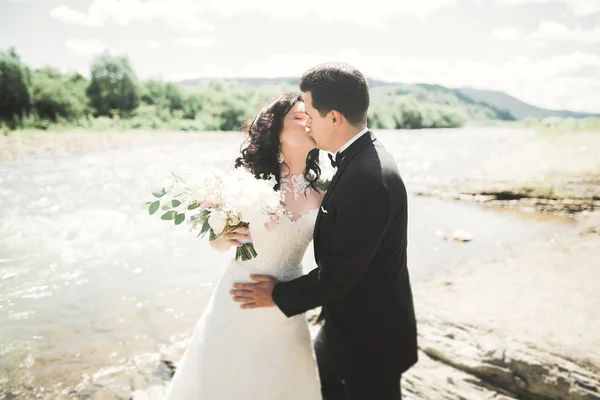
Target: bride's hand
[[230, 238]]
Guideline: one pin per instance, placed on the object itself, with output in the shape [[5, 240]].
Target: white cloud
[[187, 14], [376, 13], [520, 2], [191, 24], [182, 14], [507, 34], [152, 44], [85, 46], [549, 30], [69, 16], [579, 8], [583, 7], [195, 41], [554, 82]]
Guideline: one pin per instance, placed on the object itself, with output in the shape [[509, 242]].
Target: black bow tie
[[335, 162]]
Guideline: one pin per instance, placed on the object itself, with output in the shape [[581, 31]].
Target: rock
[[507, 364], [462, 236], [433, 380], [169, 366], [103, 394], [590, 223]]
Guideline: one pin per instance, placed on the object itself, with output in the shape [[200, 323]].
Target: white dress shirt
[[349, 142]]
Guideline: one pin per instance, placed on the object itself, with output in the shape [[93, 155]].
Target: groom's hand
[[255, 295]]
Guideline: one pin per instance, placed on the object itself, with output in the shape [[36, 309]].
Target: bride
[[261, 354]]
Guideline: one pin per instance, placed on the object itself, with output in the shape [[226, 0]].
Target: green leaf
[[179, 219], [205, 228], [193, 206], [159, 193], [203, 216], [171, 204], [146, 205], [169, 215], [214, 235], [154, 207]]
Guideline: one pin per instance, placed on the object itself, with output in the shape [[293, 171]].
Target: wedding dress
[[256, 354]]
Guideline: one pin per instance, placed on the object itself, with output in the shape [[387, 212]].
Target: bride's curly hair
[[262, 145]]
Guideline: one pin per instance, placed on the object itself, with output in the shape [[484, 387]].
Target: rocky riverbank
[[550, 173], [523, 325], [582, 196]]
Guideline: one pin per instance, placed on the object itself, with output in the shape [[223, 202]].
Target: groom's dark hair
[[340, 87]]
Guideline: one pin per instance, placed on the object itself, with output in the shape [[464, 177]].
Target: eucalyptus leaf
[[179, 219], [171, 204], [205, 227], [154, 207], [146, 205], [169, 215], [158, 193], [193, 206], [203, 216]]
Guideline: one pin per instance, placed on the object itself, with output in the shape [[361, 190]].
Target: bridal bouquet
[[215, 201]]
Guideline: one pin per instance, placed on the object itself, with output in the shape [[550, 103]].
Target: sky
[[545, 52]]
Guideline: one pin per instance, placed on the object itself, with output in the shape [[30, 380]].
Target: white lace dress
[[256, 354]]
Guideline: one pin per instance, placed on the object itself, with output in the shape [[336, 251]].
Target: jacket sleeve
[[363, 210]]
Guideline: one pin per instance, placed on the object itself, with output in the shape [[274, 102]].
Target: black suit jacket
[[362, 279]]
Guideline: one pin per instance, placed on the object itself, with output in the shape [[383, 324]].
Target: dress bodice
[[281, 248]]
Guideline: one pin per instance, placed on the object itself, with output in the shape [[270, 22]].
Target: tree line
[[114, 98]]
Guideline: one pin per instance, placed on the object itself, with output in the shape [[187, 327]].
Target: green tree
[[164, 95], [15, 89], [381, 116], [192, 106], [223, 105], [56, 95], [114, 85], [408, 114]]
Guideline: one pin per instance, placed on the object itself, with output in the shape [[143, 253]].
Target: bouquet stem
[[246, 252]]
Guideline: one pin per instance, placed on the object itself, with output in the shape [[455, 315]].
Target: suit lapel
[[349, 154]]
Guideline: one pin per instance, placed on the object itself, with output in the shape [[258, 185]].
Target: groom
[[369, 337]]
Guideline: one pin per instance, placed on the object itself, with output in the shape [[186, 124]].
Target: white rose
[[217, 221]]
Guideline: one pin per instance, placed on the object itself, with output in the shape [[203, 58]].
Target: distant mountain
[[248, 81], [271, 81], [478, 104], [382, 91], [516, 107], [439, 95]]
